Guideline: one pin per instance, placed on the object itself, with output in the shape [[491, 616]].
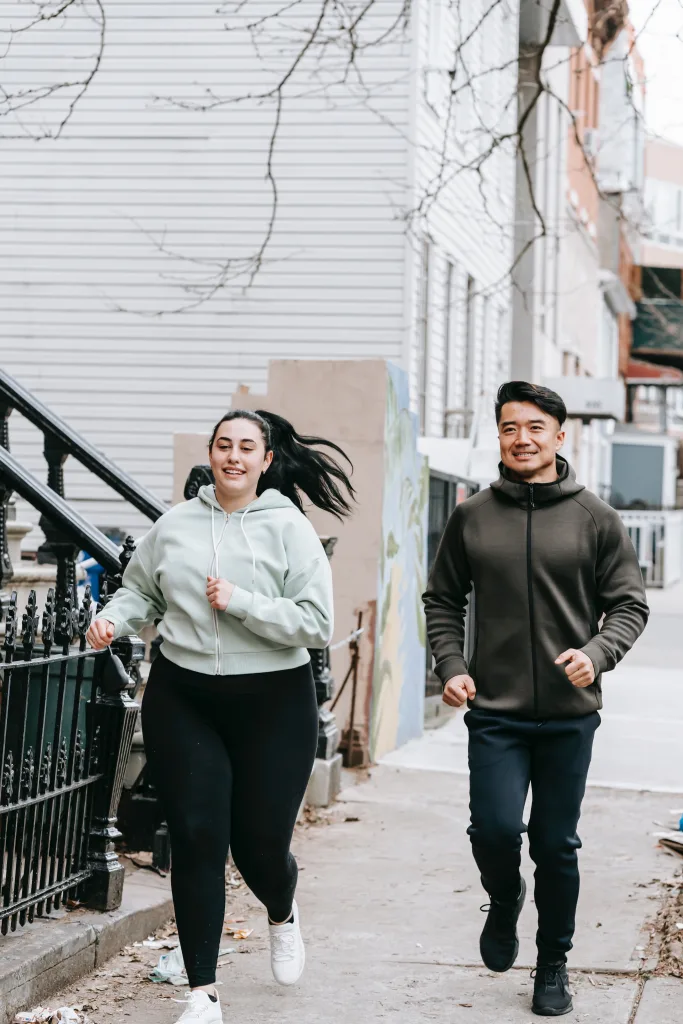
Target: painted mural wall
[[397, 712]]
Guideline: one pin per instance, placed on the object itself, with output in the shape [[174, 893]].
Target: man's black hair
[[521, 391]]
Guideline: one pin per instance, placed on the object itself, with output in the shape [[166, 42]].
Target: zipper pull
[[531, 495]]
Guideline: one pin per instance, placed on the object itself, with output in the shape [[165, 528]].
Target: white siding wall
[[103, 228], [470, 219]]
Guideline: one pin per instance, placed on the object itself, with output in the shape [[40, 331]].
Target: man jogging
[[559, 599]]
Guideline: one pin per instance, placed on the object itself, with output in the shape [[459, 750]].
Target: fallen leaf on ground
[[238, 933], [167, 930]]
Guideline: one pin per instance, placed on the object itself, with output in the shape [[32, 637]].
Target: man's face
[[529, 440]]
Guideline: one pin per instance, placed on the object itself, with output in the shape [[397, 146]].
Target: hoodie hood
[[270, 499], [543, 494]]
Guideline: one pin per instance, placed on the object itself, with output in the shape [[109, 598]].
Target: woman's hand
[[100, 634], [219, 593]]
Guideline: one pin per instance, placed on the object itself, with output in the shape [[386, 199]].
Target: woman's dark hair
[[520, 391], [296, 465]]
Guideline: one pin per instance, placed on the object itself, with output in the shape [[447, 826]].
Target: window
[[460, 413], [470, 354], [487, 356], [500, 347], [609, 343], [450, 339], [423, 336]]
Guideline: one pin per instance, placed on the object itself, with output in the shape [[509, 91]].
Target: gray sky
[[659, 24]]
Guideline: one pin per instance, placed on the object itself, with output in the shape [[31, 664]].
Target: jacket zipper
[[532, 625], [215, 614]]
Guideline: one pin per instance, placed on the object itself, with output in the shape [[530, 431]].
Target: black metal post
[[114, 718], [6, 570], [328, 730], [57, 547]]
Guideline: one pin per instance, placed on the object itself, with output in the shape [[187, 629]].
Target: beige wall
[[343, 401], [658, 256], [664, 160]]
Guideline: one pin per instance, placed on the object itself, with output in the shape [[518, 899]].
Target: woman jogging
[[240, 587]]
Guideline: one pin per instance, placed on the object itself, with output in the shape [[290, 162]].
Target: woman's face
[[238, 458]]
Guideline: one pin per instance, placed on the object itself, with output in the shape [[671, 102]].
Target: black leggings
[[231, 757]]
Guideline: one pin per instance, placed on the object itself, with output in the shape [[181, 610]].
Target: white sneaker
[[200, 1009], [287, 952]]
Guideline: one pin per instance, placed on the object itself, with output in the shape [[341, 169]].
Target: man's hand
[[580, 668], [458, 690], [100, 634], [219, 592]]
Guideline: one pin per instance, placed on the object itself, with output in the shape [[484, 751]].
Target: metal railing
[[66, 532], [62, 440], [658, 540], [66, 727]]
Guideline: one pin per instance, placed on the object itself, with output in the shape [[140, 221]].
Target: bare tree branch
[[12, 103]]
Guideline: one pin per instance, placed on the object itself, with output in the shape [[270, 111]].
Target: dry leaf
[[238, 933]]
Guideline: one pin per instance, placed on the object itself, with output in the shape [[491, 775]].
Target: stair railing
[[66, 532]]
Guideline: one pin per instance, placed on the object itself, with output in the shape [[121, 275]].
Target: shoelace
[[193, 1011], [505, 907], [283, 946], [550, 975]]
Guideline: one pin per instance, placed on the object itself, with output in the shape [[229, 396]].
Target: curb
[[40, 959]]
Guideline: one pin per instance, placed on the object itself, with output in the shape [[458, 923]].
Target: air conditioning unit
[[591, 398]]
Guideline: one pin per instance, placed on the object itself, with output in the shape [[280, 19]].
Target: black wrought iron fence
[[66, 718], [66, 727]]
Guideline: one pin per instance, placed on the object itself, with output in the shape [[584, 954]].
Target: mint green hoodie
[[282, 602]]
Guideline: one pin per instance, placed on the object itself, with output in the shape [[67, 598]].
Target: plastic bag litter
[[171, 967], [44, 1015]]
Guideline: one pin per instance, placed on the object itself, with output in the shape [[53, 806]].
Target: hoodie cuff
[[597, 656], [450, 667], [239, 604]]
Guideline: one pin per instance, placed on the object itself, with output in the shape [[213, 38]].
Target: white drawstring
[[215, 562]]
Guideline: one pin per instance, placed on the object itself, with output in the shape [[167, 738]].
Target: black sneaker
[[552, 997], [499, 944]]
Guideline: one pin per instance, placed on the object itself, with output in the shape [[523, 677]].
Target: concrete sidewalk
[[390, 902]]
